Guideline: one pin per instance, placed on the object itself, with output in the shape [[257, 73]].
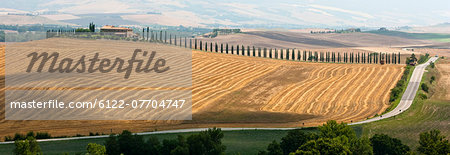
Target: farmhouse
[[119, 31]]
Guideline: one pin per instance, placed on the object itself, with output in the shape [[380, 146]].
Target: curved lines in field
[[348, 72], [274, 102], [343, 90], [234, 86], [352, 106], [229, 78], [299, 108], [211, 80], [324, 100], [297, 91], [319, 88]]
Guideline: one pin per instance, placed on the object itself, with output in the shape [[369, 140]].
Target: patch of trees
[[351, 30], [2, 36], [206, 142], [335, 138], [37, 135], [423, 58]]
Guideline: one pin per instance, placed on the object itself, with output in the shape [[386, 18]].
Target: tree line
[[334, 138], [160, 36], [330, 138]]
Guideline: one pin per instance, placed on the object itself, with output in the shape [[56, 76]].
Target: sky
[[361, 13]]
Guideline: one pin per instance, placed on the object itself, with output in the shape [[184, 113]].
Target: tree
[[293, 140], [91, 27], [329, 146], [274, 148], [332, 129], [153, 146], [424, 87], [29, 146], [112, 146], [361, 146], [96, 149], [433, 143], [383, 144], [129, 143]]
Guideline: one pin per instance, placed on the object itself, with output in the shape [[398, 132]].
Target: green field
[[423, 115], [425, 36]]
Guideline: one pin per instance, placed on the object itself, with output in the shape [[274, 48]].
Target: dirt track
[[231, 91]]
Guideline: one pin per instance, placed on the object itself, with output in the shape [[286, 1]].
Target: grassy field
[[426, 36], [423, 115], [243, 142]]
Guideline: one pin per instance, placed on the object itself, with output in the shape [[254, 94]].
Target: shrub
[[424, 87], [422, 96]]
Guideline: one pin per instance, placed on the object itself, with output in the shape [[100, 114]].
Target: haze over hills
[[249, 14]]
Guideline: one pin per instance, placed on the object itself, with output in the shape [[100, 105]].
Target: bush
[[433, 142], [432, 79], [424, 87], [43, 135], [422, 96], [383, 144]]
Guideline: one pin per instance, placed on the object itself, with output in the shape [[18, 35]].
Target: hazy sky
[[371, 13]]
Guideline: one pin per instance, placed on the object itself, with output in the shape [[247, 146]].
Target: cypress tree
[[195, 43], [165, 37], [293, 54], [210, 47], [201, 47], [254, 51], [237, 49], [185, 42], [160, 36], [298, 55], [221, 47], [281, 53], [206, 46], [398, 58], [265, 52], [270, 53], [232, 49], [217, 48], [175, 40], [276, 54], [243, 50], [226, 49], [248, 50], [143, 33], [259, 51], [287, 54], [304, 55], [339, 58], [148, 29], [170, 39], [190, 43]]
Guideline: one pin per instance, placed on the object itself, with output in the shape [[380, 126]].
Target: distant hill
[[421, 36], [438, 28]]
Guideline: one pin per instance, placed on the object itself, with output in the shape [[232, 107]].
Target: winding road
[[405, 103], [408, 96]]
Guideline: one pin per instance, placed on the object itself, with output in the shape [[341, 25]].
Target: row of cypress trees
[[285, 54]]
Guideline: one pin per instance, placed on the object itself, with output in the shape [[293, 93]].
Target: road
[[408, 96], [404, 104]]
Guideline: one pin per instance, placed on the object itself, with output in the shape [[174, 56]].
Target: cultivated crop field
[[240, 91]]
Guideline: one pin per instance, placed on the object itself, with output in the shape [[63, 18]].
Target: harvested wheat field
[[240, 91]]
